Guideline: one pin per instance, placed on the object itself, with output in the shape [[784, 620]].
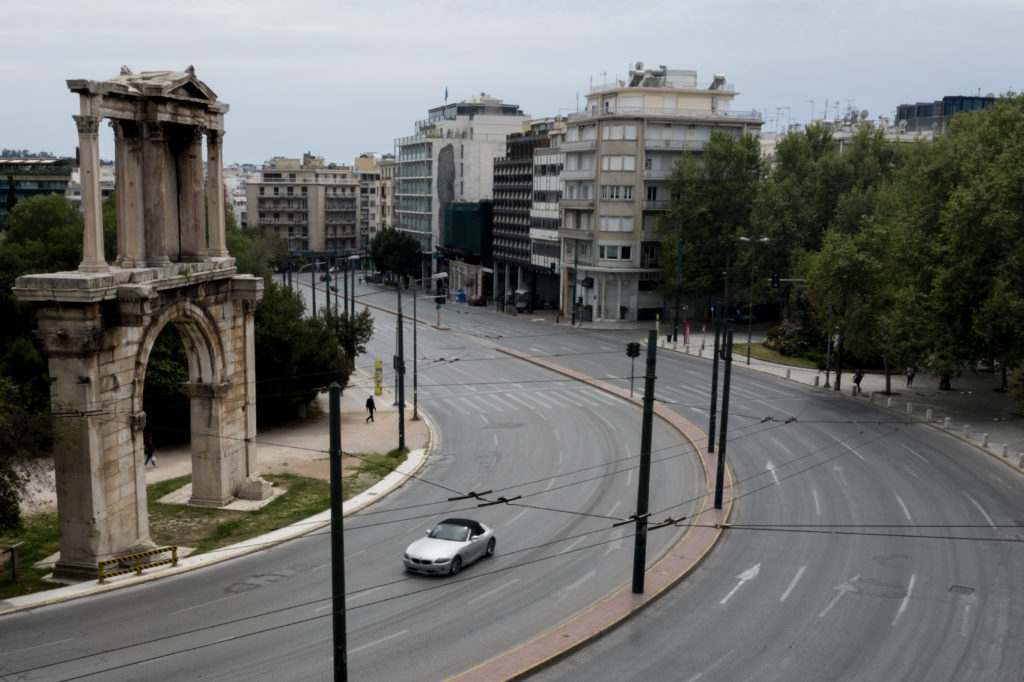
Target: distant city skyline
[[338, 80]]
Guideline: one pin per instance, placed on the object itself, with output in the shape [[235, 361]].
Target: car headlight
[[441, 561]]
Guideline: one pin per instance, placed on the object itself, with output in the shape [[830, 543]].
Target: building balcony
[[659, 205], [708, 114], [583, 174], [569, 233], [576, 203], [657, 174], [578, 145], [678, 145]]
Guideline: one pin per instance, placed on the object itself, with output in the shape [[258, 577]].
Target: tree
[[256, 251], [352, 331], [296, 356], [24, 433], [396, 252], [712, 199]]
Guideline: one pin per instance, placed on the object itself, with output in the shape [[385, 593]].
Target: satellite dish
[[863, 114], [639, 65]]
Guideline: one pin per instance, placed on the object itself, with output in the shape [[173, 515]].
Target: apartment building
[[388, 173], [312, 205], [619, 153], [450, 157], [368, 173], [527, 188]]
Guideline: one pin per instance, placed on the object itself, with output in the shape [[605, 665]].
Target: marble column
[[128, 171], [191, 226], [89, 172], [215, 193], [211, 468], [158, 201]]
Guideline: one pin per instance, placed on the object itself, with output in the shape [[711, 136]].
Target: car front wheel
[[456, 566], [490, 547]]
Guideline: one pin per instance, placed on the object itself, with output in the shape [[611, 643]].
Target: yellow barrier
[[137, 558]]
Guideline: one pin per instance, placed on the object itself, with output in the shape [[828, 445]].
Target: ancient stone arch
[[98, 324]]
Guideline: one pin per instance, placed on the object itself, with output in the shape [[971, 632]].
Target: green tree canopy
[[395, 251]]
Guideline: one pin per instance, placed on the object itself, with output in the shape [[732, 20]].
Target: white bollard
[[1005, 451], [910, 409], [888, 402], [984, 440], [928, 415], [787, 373], [946, 423], [966, 430], [817, 380]]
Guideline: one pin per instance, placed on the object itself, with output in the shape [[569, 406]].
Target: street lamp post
[[750, 308]]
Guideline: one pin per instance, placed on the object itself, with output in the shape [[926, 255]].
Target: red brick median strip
[[669, 570]]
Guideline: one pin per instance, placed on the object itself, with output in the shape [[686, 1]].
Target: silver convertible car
[[452, 544]]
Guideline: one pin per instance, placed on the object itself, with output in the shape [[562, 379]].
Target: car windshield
[[447, 531]]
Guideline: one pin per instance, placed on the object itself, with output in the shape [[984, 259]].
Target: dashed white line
[[792, 584], [988, 518], [771, 470], [494, 591], [906, 512], [39, 646], [569, 588], [906, 599], [379, 641], [817, 503], [915, 453]]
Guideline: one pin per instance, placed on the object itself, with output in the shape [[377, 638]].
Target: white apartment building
[[313, 206], [450, 157], [619, 153]]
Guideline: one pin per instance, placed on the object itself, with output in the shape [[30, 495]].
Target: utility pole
[[720, 474], [312, 283], [679, 285], [337, 539], [400, 369], [643, 486], [415, 396]]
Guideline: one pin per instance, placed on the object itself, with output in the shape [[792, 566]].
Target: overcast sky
[[338, 78]]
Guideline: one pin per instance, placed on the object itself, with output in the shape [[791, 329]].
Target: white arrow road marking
[[840, 591], [817, 503], [911, 472], [615, 546], [796, 579], [839, 474], [988, 518], [906, 599], [495, 439], [771, 470], [906, 512], [743, 577], [515, 518], [967, 601], [494, 591]]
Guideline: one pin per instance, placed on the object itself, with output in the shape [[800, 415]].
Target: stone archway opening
[[164, 397]]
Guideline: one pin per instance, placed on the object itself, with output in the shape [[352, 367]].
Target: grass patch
[[762, 352], [205, 529], [41, 537]]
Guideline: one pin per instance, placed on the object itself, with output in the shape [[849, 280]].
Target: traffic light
[[554, 267], [579, 301], [632, 349], [775, 281]]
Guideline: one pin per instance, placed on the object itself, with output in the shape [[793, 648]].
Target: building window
[[618, 162], [652, 193], [612, 252], [616, 223]]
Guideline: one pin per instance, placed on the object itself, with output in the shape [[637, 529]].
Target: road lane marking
[[615, 546], [988, 518], [561, 456], [859, 456], [570, 547], [379, 641], [569, 588], [906, 512], [817, 503], [40, 646], [796, 579], [743, 577], [915, 453], [494, 591], [771, 470], [557, 437], [601, 417], [841, 589], [611, 512], [839, 473], [911, 472], [515, 518], [629, 478], [906, 599], [357, 595], [203, 605]]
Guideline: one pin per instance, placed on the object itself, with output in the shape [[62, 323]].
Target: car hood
[[434, 548]]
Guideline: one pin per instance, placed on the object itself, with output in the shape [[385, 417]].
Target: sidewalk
[[973, 409], [300, 448]]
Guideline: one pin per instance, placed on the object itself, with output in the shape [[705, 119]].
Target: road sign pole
[[643, 485], [337, 539]]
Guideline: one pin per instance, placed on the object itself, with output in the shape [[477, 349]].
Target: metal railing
[[136, 560]]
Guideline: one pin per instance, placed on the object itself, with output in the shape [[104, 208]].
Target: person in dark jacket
[[370, 407]]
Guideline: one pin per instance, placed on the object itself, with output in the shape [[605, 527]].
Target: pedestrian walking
[[857, 376], [147, 446], [910, 377], [370, 407]]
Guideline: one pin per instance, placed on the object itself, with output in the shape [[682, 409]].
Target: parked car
[[477, 300], [449, 546]]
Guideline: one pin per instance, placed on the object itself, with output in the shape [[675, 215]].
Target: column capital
[[88, 125], [214, 137]]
